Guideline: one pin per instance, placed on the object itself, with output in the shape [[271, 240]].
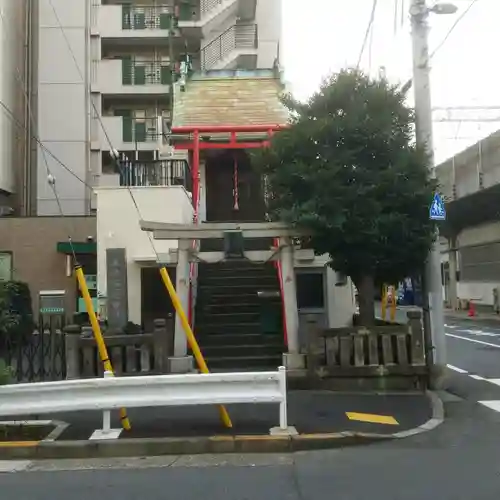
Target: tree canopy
[[347, 169]]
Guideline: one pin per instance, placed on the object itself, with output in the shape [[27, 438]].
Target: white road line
[[495, 381], [478, 377], [494, 405], [472, 340], [456, 369]]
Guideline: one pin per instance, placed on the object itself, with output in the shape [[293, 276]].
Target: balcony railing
[[238, 36], [138, 130], [138, 72], [143, 17], [155, 173]]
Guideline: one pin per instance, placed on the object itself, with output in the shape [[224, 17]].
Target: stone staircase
[[236, 329]]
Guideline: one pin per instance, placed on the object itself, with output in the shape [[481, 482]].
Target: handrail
[[277, 264], [225, 43], [191, 303]]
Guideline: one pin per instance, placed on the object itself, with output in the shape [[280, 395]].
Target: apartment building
[[104, 74], [12, 119]]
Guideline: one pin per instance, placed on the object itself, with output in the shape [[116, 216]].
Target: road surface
[[457, 461], [473, 354]]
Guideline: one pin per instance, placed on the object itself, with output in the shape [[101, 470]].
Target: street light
[[442, 8], [433, 296]]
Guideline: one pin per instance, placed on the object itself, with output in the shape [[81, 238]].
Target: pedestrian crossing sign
[[437, 210]]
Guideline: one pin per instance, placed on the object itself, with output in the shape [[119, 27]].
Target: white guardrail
[[111, 393]]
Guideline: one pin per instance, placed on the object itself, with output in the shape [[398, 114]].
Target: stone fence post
[[163, 340], [418, 347], [72, 335]]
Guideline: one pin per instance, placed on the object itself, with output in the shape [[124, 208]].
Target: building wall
[[63, 105], [479, 262], [118, 227], [11, 44], [33, 241], [269, 17]]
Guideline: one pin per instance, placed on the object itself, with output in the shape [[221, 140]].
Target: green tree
[[347, 170]]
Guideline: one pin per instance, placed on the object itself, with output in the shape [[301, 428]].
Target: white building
[[104, 57], [12, 134]]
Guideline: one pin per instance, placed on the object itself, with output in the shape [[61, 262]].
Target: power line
[[453, 26], [23, 126], [367, 32], [114, 152], [409, 82]]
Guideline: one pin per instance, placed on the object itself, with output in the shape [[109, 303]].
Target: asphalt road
[[473, 354], [457, 461]]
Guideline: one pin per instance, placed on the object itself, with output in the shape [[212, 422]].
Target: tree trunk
[[366, 298]]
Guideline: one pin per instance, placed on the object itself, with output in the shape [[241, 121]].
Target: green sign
[[51, 310]]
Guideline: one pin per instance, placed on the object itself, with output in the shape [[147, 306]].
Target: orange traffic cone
[[471, 312]]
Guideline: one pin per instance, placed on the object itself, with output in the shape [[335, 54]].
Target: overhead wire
[[407, 85], [44, 149], [113, 151], [367, 32]]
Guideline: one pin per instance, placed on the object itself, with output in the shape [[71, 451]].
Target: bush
[[5, 373], [16, 313]]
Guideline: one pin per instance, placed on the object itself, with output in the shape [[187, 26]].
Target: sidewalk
[[322, 419], [479, 317]]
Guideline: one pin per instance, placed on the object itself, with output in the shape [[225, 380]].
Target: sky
[[323, 36]]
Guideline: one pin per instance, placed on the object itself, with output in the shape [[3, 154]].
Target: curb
[[212, 445]]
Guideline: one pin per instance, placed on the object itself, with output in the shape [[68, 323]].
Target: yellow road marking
[[373, 419], [20, 444]]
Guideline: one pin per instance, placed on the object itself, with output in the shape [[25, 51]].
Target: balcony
[[136, 21], [235, 47], [148, 174], [127, 76], [128, 133]]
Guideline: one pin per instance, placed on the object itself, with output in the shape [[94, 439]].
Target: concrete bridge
[[470, 237]]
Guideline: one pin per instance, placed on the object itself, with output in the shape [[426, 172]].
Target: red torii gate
[[195, 144]]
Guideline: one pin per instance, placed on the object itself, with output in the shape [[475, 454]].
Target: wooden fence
[[389, 356], [139, 354]]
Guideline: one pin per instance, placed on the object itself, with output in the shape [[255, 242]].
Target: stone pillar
[[452, 260], [181, 362], [72, 343], [293, 359]]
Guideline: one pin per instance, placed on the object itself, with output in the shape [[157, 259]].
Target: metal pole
[[433, 292]]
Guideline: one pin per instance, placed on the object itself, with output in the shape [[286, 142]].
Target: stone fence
[[138, 354], [380, 357]]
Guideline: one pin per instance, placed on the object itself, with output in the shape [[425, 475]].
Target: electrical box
[[52, 302]]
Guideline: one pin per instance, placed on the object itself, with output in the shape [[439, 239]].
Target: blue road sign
[[437, 210]]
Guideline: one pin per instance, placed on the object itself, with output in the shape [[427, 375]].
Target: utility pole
[[433, 292]]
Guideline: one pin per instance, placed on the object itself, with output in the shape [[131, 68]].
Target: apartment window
[[5, 266], [310, 288]]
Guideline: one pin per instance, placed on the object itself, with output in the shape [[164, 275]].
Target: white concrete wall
[[63, 105], [340, 301], [11, 41], [268, 17], [118, 227]]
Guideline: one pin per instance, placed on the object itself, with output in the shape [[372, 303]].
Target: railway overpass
[[470, 237]]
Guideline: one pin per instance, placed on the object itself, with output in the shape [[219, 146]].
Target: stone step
[[248, 339], [262, 362], [207, 309], [241, 351], [227, 328]]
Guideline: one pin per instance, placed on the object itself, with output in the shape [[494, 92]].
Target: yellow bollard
[[193, 344], [384, 302], [393, 306], [96, 328]]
